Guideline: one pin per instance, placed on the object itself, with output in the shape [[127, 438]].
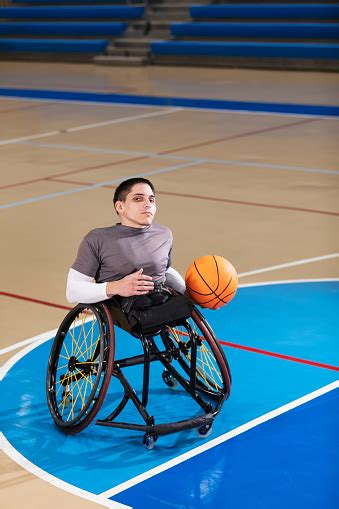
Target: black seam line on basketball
[[208, 294], [218, 296], [207, 301], [216, 265], [225, 302], [199, 293], [206, 282], [225, 297], [228, 284]]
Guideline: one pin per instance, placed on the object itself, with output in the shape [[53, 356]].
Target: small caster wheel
[[149, 441], [204, 431], [169, 379]]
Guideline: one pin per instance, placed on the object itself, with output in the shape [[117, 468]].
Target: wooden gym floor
[[258, 189]]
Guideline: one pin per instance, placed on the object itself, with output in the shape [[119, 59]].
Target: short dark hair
[[125, 187]]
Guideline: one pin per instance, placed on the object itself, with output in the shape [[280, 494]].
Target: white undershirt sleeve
[[84, 289], [174, 280]]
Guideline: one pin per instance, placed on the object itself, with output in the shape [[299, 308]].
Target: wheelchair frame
[[101, 366]]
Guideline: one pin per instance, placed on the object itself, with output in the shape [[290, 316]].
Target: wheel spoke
[[97, 341], [82, 329], [65, 347], [78, 352], [207, 369], [62, 367]]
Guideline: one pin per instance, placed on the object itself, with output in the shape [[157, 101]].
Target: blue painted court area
[[290, 461], [291, 451]]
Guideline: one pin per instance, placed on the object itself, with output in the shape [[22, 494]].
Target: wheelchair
[[82, 362]]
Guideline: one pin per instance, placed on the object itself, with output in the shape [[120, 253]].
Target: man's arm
[[82, 288], [174, 280]]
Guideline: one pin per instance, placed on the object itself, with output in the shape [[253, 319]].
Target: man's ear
[[118, 207]]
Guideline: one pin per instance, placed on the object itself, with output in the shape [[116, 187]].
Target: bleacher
[[283, 35], [50, 29], [275, 34]]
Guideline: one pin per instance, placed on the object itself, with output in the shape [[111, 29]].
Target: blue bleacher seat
[[73, 12], [53, 46], [268, 11], [291, 30], [69, 2], [247, 49], [64, 28]]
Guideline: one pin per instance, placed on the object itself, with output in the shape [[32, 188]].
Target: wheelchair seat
[[150, 319]]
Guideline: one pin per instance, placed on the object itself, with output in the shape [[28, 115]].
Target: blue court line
[[226, 162], [218, 104]]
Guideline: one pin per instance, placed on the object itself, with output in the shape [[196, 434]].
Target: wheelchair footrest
[[162, 429], [173, 427]]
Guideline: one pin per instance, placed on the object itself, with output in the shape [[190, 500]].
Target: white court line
[[34, 342], [290, 281], [219, 440], [226, 162], [38, 472], [123, 119], [41, 338], [290, 264], [34, 199], [187, 108], [90, 126]]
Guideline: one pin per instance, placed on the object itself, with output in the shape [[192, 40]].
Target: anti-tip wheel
[[204, 431], [169, 379], [149, 440]]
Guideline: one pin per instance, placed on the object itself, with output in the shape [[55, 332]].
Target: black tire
[[80, 366], [213, 377]]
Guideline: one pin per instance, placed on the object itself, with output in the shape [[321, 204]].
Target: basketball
[[211, 281]]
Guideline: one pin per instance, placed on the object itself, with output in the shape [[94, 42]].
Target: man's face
[[139, 208]]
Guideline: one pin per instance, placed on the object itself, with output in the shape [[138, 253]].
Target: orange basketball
[[211, 281]]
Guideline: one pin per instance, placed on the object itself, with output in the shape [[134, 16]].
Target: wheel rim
[[78, 368]]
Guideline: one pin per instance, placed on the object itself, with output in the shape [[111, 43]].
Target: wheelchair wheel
[[80, 366], [213, 377]]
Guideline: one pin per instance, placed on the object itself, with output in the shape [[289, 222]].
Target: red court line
[[170, 151], [75, 182], [28, 107], [36, 301], [23, 183], [99, 166], [71, 172], [251, 203], [225, 343], [240, 135], [210, 198], [279, 355]]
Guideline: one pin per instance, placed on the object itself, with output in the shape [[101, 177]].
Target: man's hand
[[133, 284]]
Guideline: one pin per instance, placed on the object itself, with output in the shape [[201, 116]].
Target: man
[[130, 258]]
